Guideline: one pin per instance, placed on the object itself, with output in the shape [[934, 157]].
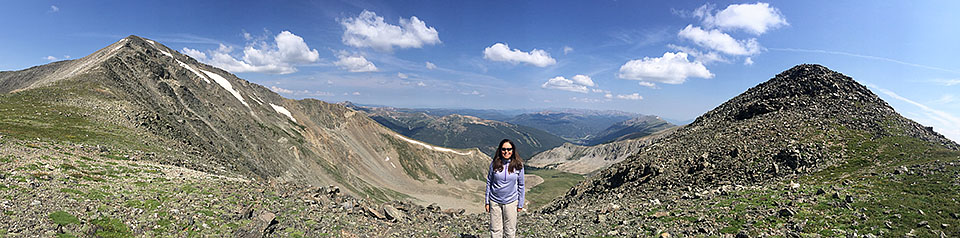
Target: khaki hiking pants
[[503, 220]]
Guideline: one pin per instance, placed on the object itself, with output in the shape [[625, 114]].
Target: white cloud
[[754, 18], [634, 96], [356, 93], [354, 63], [567, 50], [369, 30], [280, 57], [648, 84], [402, 75], [608, 96], [719, 41], [700, 56], [281, 90], [565, 84], [583, 80], [54, 58], [421, 84], [502, 52], [672, 68], [196, 54], [431, 66], [54, 8], [748, 61], [578, 83]]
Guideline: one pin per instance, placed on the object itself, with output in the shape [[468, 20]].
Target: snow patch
[[120, 44], [282, 110], [166, 53], [436, 148], [193, 70], [151, 42], [226, 85]]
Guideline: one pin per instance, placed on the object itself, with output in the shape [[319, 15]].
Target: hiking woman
[[505, 195]]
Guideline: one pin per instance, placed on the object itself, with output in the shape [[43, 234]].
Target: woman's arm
[[520, 187]]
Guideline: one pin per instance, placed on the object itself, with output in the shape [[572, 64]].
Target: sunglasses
[[506, 149]]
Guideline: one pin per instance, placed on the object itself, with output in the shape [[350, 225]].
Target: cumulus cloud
[[648, 84], [54, 58], [54, 8], [672, 68], [280, 57], [578, 83], [700, 56], [196, 54], [583, 80], [421, 84], [565, 84], [402, 75], [634, 96], [502, 52], [755, 18], [281, 90], [354, 63], [748, 61], [431, 66], [369, 30], [567, 49], [719, 41]]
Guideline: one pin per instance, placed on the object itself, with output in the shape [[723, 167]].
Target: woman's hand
[[487, 207]]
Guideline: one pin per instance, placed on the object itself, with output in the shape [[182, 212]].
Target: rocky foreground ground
[[71, 190]]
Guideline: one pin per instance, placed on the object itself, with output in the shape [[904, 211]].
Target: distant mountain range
[[461, 131]]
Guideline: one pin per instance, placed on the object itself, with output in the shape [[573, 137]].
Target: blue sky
[[672, 59]]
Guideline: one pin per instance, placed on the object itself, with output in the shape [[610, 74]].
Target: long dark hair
[[515, 162]]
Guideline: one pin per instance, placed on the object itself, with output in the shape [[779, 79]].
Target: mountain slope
[[139, 95], [810, 152], [630, 129], [587, 160], [460, 131]]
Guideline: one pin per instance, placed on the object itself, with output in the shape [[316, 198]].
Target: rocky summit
[[808, 127]]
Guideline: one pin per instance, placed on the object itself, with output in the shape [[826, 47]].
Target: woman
[[504, 190]]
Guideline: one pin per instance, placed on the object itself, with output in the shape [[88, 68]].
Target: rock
[[820, 191], [613, 233], [955, 215], [849, 199], [660, 214], [923, 224], [433, 207], [258, 226], [664, 235], [348, 205], [786, 212], [601, 218], [742, 235], [373, 212], [944, 225], [392, 213]]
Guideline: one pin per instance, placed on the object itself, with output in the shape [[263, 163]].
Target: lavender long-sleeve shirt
[[504, 187]]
